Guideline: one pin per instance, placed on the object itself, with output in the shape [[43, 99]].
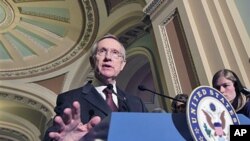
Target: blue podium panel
[[148, 127], [243, 119], [152, 127]]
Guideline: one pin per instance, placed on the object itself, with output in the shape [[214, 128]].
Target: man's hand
[[71, 126]]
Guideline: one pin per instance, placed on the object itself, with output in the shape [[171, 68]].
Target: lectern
[[152, 127]]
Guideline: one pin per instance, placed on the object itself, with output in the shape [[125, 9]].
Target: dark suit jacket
[[92, 104]]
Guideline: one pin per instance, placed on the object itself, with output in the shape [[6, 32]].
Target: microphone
[[124, 105], [142, 88], [110, 87]]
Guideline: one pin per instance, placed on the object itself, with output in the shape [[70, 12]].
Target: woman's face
[[180, 107], [226, 87]]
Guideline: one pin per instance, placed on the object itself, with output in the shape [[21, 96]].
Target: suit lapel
[[122, 101], [92, 96]]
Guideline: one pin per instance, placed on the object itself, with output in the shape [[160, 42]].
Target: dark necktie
[[109, 99]]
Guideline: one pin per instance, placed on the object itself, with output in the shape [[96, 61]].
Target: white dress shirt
[[100, 89]]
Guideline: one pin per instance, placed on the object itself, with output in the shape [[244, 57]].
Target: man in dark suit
[[79, 110]]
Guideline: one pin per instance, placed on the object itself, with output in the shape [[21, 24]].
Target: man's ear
[[92, 61], [123, 65]]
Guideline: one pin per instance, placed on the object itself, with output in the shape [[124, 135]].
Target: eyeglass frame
[[113, 53]]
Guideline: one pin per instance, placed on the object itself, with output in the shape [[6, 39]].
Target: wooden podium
[[152, 127]]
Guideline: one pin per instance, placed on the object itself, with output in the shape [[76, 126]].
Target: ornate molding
[[15, 134], [45, 15], [90, 30], [113, 5], [152, 6], [6, 15], [169, 55], [27, 101], [133, 34]]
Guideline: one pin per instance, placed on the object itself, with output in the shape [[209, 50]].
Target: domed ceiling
[[38, 36]]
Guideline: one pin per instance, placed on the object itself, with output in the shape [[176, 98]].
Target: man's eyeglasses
[[113, 53]]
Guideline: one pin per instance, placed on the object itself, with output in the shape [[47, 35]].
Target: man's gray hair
[[95, 45]]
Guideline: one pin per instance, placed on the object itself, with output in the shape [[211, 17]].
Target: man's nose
[[108, 55]]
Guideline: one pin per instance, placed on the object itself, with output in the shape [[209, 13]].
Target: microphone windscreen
[[110, 86], [141, 87]]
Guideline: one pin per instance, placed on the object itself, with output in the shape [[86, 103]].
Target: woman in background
[[228, 83], [179, 107]]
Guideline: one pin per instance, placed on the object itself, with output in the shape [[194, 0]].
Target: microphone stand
[[142, 88]]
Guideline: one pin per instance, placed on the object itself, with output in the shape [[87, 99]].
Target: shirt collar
[[100, 86]]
